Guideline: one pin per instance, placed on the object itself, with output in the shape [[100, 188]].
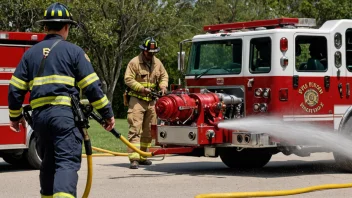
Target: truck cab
[[284, 67], [15, 148]]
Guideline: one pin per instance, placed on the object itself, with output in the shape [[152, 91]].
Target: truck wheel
[[15, 159], [33, 156], [247, 158], [344, 162]]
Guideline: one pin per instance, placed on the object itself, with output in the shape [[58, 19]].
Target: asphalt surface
[[178, 177]]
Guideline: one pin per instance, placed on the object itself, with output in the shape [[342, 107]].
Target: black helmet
[[150, 45], [57, 12]]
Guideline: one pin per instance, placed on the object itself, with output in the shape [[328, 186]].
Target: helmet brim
[[67, 21], [152, 50]]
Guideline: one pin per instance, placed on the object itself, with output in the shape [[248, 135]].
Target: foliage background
[[111, 30]]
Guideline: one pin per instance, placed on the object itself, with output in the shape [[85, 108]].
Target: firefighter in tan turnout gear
[[144, 73]]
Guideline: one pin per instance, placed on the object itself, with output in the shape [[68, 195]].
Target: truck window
[[349, 49], [260, 55], [311, 54], [215, 57]]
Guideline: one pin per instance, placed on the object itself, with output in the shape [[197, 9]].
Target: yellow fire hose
[[88, 148], [275, 193]]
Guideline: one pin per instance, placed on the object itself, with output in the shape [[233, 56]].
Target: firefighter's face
[[149, 55]]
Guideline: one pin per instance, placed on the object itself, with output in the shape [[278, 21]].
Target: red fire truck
[[15, 148], [284, 67]]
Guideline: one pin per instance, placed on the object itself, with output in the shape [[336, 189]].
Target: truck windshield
[[215, 58]]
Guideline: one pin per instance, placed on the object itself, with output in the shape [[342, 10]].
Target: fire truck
[[286, 67], [15, 148]]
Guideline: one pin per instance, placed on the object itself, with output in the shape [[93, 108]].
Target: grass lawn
[[105, 140]]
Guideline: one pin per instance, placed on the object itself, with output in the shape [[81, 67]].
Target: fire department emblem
[[85, 55], [311, 97], [311, 92]]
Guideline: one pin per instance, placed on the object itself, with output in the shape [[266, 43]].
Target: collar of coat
[[143, 61]]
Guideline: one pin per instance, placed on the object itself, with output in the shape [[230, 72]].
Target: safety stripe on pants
[[63, 195]]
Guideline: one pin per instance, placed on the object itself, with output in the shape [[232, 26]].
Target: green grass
[[105, 140]]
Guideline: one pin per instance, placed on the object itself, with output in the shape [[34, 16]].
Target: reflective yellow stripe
[[137, 86], [45, 12], [46, 196], [67, 13], [137, 145], [146, 43], [146, 84], [146, 144], [67, 80], [15, 113], [134, 156], [59, 13], [139, 96], [88, 80], [99, 104], [20, 84], [53, 100], [52, 12], [63, 195]]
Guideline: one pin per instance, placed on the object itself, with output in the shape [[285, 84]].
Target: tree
[[20, 15], [323, 10], [109, 29]]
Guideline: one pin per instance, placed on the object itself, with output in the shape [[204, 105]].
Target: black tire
[[32, 155], [344, 162], [15, 159], [245, 159]]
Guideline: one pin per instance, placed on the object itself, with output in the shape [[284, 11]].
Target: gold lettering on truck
[[311, 92]]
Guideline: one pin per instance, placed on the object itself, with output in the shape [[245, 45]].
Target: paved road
[[178, 177]]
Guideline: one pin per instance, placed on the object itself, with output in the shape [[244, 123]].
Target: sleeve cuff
[[106, 112], [16, 118]]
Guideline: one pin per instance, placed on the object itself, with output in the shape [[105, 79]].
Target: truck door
[[312, 79], [346, 63], [11, 54]]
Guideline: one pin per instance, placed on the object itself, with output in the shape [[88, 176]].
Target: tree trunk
[[110, 93]]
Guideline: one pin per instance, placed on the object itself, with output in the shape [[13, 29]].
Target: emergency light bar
[[271, 23]]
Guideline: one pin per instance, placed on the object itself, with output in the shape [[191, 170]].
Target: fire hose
[[275, 193]]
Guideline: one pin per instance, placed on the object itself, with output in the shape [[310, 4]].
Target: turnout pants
[[140, 115], [60, 147]]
